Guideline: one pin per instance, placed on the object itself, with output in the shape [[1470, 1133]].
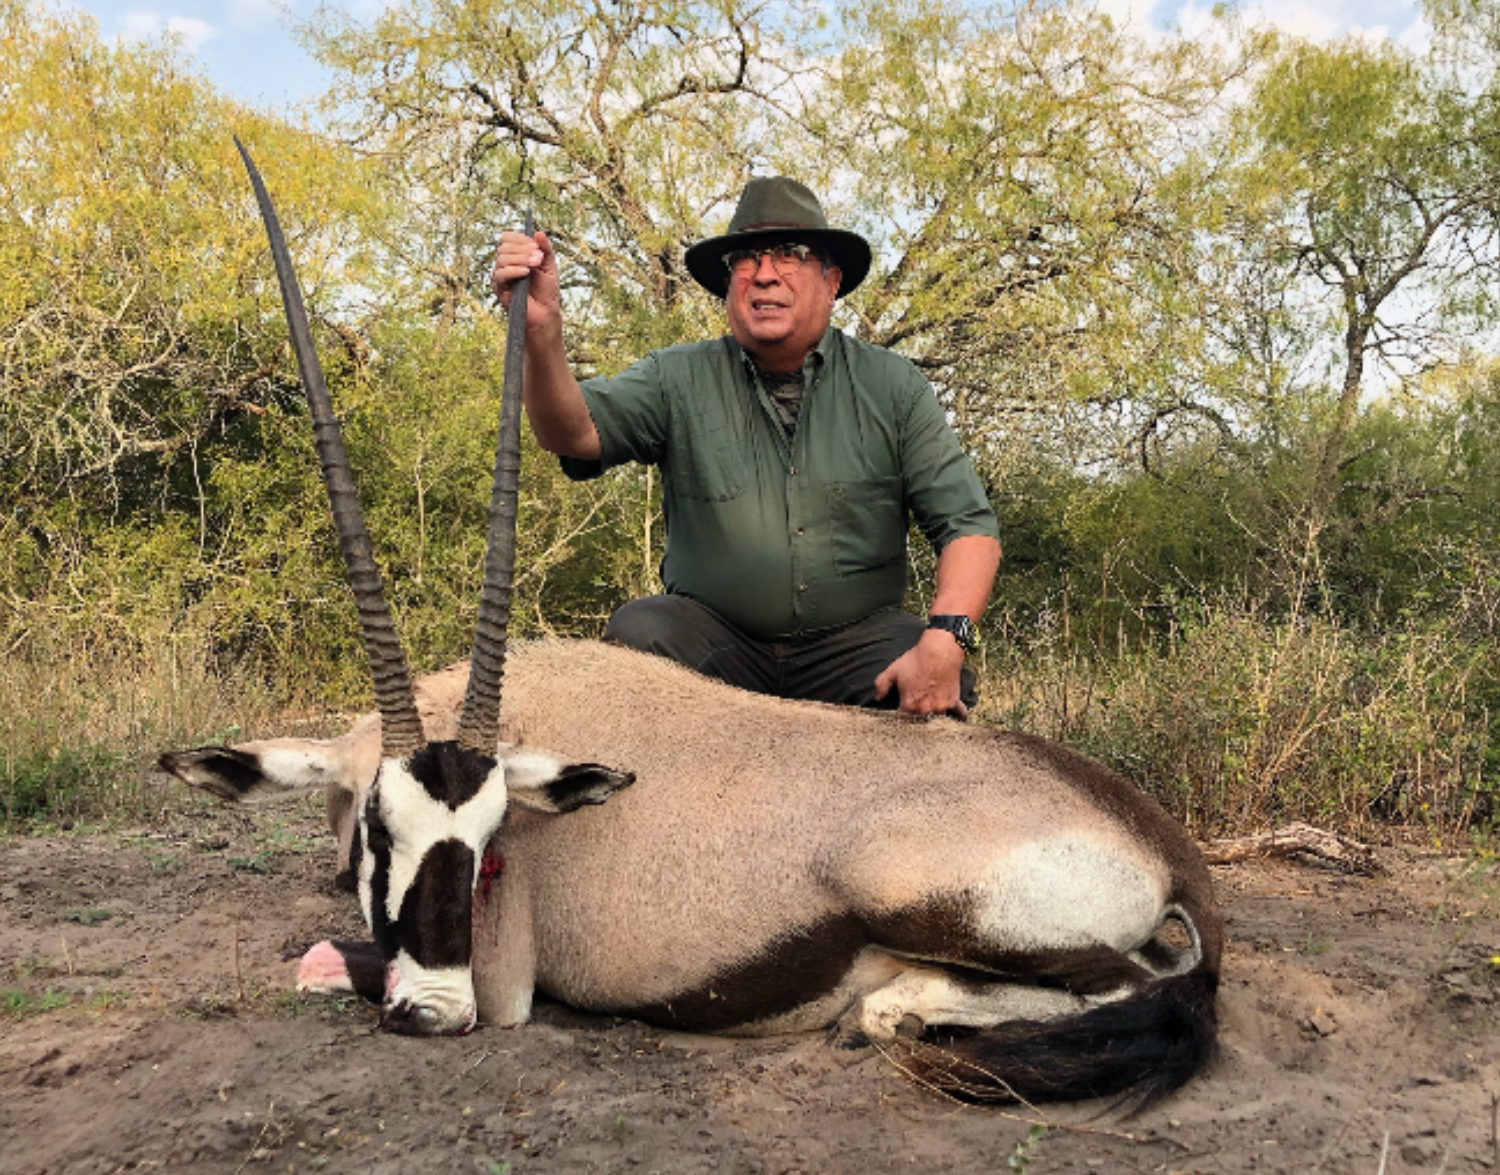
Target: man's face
[[778, 309]]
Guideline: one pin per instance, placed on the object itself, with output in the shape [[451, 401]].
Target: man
[[791, 455]]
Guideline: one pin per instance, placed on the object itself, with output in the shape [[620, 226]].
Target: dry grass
[[1238, 721], [82, 722]]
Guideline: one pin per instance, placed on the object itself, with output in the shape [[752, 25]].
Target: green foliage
[[1149, 278], [1371, 172], [90, 916], [144, 372], [597, 118], [1025, 267], [44, 785], [18, 1002], [1026, 1150]]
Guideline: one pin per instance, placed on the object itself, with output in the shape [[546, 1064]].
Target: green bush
[[50, 785]]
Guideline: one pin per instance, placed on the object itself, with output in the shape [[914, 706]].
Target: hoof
[[910, 1028], [346, 881]]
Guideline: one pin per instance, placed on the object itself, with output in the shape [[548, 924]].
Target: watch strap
[[960, 627]]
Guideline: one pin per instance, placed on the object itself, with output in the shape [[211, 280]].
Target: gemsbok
[[772, 866]]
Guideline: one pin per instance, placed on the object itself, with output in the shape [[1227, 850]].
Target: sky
[[246, 47], [1399, 20]]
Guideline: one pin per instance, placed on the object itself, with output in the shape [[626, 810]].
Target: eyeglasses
[[786, 258]]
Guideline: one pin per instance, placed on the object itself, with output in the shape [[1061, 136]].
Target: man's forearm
[[559, 418], [965, 575]]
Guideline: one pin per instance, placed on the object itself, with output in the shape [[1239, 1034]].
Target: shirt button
[[801, 587], [794, 471], [799, 530]]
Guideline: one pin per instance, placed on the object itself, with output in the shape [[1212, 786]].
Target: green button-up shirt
[[781, 536]]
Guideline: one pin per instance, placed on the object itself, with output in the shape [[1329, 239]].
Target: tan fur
[[753, 816]]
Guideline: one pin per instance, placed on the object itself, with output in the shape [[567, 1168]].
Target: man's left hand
[[926, 676]]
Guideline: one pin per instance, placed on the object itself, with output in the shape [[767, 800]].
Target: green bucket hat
[[778, 209]]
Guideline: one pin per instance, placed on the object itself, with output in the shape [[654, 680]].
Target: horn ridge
[[400, 725], [479, 725]]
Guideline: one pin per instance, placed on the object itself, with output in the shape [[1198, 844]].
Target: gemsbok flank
[[776, 866]]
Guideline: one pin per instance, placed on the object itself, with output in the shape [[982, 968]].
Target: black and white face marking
[[423, 830], [422, 835]]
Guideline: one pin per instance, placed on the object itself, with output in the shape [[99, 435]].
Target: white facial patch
[[366, 872], [416, 822], [443, 995]]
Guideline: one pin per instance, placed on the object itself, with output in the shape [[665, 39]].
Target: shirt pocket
[[867, 524]]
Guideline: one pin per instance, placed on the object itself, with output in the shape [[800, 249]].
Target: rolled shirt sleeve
[[945, 496]]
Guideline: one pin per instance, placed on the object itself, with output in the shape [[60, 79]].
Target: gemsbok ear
[[538, 784]]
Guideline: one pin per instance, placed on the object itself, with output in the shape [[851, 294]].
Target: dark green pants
[[839, 666]]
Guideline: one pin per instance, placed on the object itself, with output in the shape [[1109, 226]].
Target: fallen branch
[[1296, 840]]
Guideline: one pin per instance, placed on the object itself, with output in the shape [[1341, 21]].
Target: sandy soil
[[147, 1023]]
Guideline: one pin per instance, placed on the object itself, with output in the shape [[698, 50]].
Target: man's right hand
[[560, 419], [518, 255]]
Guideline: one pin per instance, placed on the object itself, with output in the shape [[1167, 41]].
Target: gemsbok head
[[434, 805]]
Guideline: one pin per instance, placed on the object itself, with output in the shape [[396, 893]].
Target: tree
[[620, 124], [153, 446], [1033, 179], [123, 309], [1375, 174]]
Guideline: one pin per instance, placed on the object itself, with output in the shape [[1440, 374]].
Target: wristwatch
[[962, 629]]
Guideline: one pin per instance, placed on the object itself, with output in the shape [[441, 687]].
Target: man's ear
[[539, 784]]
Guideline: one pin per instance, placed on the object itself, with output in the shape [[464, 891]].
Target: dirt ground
[[148, 1024]]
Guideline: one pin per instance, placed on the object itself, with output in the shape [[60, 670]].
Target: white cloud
[[249, 14], [1135, 14], [145, 25], [1416, 36], [1312, 21], [1400, 21], [368, 10], [1194, 21], [1315, 20]]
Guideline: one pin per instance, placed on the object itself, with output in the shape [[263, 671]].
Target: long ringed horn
[[400, 726], [479, 726]]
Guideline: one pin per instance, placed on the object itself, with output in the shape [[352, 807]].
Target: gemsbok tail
[[1143, 1046]]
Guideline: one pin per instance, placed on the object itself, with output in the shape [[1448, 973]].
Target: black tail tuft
[[1143, 1047]]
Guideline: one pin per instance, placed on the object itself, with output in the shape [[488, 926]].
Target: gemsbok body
[[764, 866], [781, 866]]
